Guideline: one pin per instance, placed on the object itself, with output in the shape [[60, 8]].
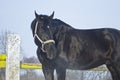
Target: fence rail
[[22, 65], [2, 57]]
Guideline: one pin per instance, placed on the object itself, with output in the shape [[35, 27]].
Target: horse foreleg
[[61, 73], [48, 72]]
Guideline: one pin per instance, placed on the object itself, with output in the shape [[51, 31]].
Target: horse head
[[43, 35]]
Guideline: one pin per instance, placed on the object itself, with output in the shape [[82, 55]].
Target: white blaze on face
[[48, 26]]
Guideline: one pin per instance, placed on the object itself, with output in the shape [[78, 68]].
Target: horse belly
[[87, 65]]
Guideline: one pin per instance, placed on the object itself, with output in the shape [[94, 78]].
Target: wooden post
[[13, 57]]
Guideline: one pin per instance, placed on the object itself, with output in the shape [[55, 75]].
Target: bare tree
[[30, 74], [3, 39], [30, 60]]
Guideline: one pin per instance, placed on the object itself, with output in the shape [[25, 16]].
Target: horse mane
[[61, 26], [59, 22]]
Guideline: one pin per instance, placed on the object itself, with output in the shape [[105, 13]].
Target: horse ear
[[36, 15], [52, 15]]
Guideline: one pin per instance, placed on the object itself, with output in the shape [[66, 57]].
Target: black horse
[[62, 47]]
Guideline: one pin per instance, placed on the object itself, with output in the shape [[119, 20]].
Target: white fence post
[[13, 57]]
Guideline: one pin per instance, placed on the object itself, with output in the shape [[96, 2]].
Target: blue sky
[[17, 15]]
